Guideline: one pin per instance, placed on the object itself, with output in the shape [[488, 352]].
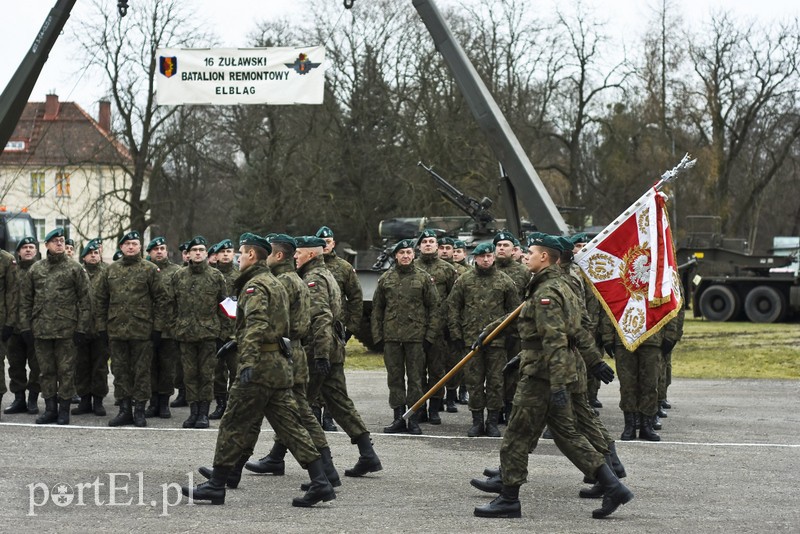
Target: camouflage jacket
[[130, 301], [479, 297], [585, 339], [23, 268], [326, 310], [166, 270], [444, 274], [55, 298], [197, 290], [231, 273], [9, 285], [460, 268], [94, 272], [673, 330], [516, 271], [350, 287], [405, 306], [262, 318], [299, 315]]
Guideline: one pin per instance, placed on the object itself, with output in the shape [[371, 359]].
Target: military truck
[[13, 227]]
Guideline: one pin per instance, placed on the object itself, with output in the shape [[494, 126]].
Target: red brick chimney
[[104, 115], [51, 107]]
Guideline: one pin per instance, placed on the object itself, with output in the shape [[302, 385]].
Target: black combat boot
[[319, 490], [433, 413], [163, 406], [505, 505], [547, 434], [327, 422], [50, 414], [317, 411], [595, 403], [493, 484], [491, 424], [222, 403], [153, 408], [234, 477], [614, 492], [507, 406], [330, 470], [368, 461], [18, 404], [202, 414], [398, 424], [665, 404], [213, 490], [138, 414], [75, 399], [192, 419], [463, 396], [63, 411], [85, 406], [491, 472], [413, 424], [656, 422], [477, 424], [125, 415], [661, 412], [272, 463], [97, 406], [597, 489], [33, 402], [616, 463], [629, 432], [180, 400], [646, 431], [450, 401], [422, 413]]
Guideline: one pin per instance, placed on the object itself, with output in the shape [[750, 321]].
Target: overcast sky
[[233, 20]]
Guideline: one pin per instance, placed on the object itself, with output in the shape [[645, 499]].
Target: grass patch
[[708, 350]]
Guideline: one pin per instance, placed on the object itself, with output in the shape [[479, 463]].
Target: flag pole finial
[[684, 165]]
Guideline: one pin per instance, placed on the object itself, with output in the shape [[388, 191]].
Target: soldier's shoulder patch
[[312, 284], [14, 262], [158, 269], [544, 302], [250, 290]]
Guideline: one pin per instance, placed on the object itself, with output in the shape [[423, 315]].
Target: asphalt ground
[[729, 462]]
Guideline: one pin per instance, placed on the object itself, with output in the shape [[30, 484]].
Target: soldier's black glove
[[27, 337], [322, 366], [478, 343], [230, 346], [603, 371], [512, 365], [558, 398], [610, 349], [155, 337], [8, 331], [80, 339], [426, 345], [666, 345], [245, 376], [103, 336]]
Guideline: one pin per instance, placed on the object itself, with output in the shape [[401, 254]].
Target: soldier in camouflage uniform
[[263, 384], [479, 297], [55, 305], [444, 276], [405, 316], [548, 325], [460, 253], [168, 353], [324, 347], [131, 309], [225, 369], [673, 332], [180, 398], [459, 258], [91, 369], [8, 307], [20, 351], [446, 252], [197, 290]]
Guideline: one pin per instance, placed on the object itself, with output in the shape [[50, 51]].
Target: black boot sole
[[617, 501], [214, 500], [360, 472], [256, 467], [300, 503]]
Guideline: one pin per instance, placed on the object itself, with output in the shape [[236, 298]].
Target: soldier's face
[[246, 257], [484, 261], [330, 244], [27, 252], [131, 247], [304, 255], [459, 254], [159, 253], [70, 250], [57, 245], [404, 256], [225, 255], [504, 249], [446, 252], [197, 253], [577, 247], [185, 255], [428, 245], [537, 259], [92, 258], [213, 258], [517, 253]]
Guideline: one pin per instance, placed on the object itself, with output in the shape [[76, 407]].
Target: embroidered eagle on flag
[[632, 269]]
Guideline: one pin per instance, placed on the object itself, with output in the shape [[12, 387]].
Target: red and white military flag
[[632, 269]]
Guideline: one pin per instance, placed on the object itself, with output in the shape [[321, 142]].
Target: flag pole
[[684, 165]]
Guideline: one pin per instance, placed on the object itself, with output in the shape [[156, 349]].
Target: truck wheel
[[719, 303], [764, 304]]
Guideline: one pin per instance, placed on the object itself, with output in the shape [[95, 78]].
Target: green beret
[[98, 240], [69, 241], [26, 241], [549, 241], [197, 241], [309, 241], [285, 239], [58, 232], [183, 247], [130, 236], [213, 249], [157, 242], [117, 255], [532, 236], [566, 244], [225, 243], [253, 240], [405, 243], [515, 241], [504, 236], [447, 241], [581, 237], [324, 231], [459, 244], [428, 232], [483, 248], [90, 246]]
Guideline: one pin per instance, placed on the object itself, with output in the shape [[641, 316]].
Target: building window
[[37, 184], [39, 225], [62, 184], [64, 223]]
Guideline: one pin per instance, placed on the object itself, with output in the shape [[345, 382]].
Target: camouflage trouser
[[307, 418], [20, 355], [434, 368], [531, 412], [224, 371], [664, 377], [333, 389], [199, 358], [178, 382], [511, 379], [587, 421], [162, 366], [457, 351], [638, 378], [130, 365], [91, 368], [404, 360], [247, 405], [484, 377], [57, 367], [592, 386]]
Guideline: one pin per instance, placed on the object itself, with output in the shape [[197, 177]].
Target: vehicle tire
[[764, 304], [719, 303]]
